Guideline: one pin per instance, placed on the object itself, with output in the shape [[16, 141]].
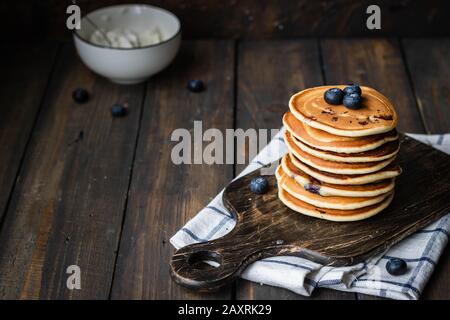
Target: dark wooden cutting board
[[265, 227]]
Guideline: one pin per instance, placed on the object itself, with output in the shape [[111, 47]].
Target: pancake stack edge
[[341, 164]]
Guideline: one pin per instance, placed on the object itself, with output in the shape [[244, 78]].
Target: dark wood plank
[[22, 88], [264, 19], [251, 290], [429, 67], [268, 74], [376, 63], [164, 196], [68, 204], [265, 227]]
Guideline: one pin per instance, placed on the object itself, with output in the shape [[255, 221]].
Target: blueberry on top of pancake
[[376, 114]]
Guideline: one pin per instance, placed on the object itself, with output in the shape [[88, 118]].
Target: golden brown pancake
[[332, 202], [329, 142], [377, 114], [386, 151], [332, 214], [327, 189], [390, 171], [333, 166]]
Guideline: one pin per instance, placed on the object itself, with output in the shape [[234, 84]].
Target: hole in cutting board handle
[[201, 267], [204, 259]]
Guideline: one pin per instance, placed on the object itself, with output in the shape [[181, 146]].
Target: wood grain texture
[[255, 291], [429, 67], [265, 227], [164, 196], [69, 200], [375, 63], [273, 19], [63, 211], [428, 61], [269, 72], [18, 110]]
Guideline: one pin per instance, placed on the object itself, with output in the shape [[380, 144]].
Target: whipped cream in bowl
[[128, 43], [126, 38]]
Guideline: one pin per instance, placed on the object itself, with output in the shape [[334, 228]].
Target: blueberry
[[259, 185], [312, 188], [353, 88], [118, 110], [396, 266], [195, 85], [352, 101], [333, 96], [80, 95]]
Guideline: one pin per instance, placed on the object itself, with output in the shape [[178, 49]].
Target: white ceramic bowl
[[129, 65]]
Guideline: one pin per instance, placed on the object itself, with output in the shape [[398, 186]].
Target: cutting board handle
[[201, 267], [210, 265]]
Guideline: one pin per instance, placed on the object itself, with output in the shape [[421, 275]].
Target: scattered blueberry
[[352, 101], [353, 88], [396, 266], [259, 185], [80, 95], [119, 110], [196, 85], [333, 96]]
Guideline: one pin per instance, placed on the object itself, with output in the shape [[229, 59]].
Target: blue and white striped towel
[[421, 250]]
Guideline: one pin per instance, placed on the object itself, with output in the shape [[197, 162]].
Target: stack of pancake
[[341, 162]]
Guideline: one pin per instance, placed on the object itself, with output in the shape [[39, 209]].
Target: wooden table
[[78, 187]]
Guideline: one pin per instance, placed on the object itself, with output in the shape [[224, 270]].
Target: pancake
[[333, 166], [332, 214], [386, 151], [390, 171], [328, 189], [328, 142], [334, 202], [377, 114]]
